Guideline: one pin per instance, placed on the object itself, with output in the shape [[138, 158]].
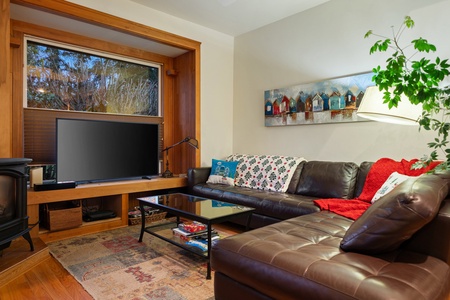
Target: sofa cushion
[[323, 179], [395, 217], [265, 172], [222, 172]]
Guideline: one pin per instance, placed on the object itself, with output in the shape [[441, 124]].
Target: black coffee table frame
[[162, 202]]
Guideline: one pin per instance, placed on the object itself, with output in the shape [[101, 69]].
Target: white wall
[[216, 70], [321, 43]]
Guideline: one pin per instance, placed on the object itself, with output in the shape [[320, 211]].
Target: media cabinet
[[117, 196]]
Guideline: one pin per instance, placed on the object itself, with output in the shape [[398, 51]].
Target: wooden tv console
[[117, 196]]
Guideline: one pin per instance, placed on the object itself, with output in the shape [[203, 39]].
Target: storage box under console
[[61, 215]]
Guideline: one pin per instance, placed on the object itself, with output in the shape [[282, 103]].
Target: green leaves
[[368, 34], [408, 22], [380, 46], [422, 45], [420, 81]]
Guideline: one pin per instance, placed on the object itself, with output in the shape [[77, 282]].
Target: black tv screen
[[91, 150]]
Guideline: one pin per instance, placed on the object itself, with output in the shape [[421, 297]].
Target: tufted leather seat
[[300, 258]]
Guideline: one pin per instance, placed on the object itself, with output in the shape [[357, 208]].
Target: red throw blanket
[[377, 175]]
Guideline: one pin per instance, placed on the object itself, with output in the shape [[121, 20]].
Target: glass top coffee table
[[193, 208]]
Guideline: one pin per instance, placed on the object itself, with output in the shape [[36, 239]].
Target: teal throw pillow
[[222, 172]]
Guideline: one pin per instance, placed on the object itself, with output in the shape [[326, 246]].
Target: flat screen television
[[91, 150]]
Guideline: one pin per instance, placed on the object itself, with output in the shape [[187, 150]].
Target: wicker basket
[[154, 217]]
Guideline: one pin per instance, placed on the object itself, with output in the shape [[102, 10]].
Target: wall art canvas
[[330, 101]]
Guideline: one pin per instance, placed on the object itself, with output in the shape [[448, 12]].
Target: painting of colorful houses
[[331, 101]]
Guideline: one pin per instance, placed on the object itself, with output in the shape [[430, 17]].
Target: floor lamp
[[191, 141], [373, 108]]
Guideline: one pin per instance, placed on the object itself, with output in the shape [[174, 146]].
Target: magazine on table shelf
[[195, 234]]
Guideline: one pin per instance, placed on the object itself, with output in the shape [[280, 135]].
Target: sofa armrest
[[197, 175], [433, 239]]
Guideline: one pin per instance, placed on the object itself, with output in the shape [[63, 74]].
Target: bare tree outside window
[[63, 79]]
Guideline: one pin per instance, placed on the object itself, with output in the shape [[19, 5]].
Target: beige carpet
[[114, 265]]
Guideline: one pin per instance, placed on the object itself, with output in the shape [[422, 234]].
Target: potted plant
[[421, 81]]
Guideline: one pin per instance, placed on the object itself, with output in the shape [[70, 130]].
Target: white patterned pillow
[[393, 180], [265, 172]]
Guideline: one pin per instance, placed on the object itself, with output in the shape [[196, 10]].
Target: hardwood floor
[[49, 280], [38, 276]]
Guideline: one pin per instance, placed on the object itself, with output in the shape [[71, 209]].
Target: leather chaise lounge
[[399, 248]]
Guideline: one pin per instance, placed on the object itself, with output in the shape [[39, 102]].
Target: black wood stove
[[13, 201]]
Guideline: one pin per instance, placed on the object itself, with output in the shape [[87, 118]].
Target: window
[[71, 78]]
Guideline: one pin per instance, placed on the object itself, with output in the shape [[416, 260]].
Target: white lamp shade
[[373, 108]]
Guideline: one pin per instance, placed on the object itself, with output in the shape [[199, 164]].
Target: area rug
[[114, 265]]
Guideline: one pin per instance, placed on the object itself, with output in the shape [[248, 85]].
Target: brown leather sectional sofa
[[398, 249]]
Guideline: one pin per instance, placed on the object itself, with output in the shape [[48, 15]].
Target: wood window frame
[[180, 75]]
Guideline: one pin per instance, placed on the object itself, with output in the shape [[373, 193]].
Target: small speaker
[[36, 175], [55, 186]]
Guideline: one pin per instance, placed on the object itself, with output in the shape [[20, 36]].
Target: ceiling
[[232, 17]]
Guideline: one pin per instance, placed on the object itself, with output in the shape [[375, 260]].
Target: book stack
[[195, 234]]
